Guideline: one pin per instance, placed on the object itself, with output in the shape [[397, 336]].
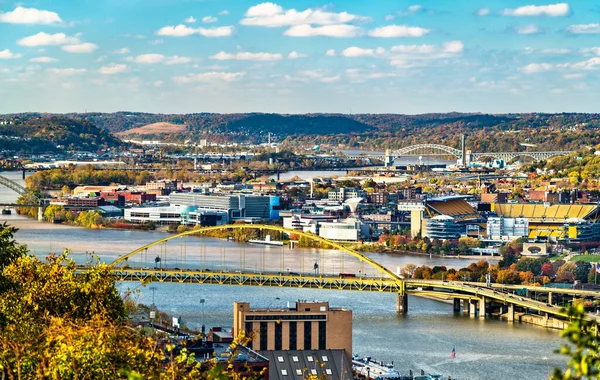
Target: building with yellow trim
[[555, 222]]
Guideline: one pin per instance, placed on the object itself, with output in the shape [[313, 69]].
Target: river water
[[422, 339]]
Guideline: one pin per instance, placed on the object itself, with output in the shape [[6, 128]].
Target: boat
[[373, 370], [6, 211], [267, 241]]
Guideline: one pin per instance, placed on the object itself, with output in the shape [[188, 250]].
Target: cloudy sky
[[289, 56]]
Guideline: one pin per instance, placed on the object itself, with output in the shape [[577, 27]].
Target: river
[[422, 339]]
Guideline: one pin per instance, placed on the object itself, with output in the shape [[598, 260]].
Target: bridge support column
[[482, 306], [465, 306], [401, 303], [550, 298], [472, 309], [510, 315], [457, 305], [40, 214]]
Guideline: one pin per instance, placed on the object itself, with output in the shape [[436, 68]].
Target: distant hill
[[486, 132], [38, 134], [154, 128]]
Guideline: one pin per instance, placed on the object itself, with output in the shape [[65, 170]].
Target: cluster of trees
[[512, 269], [403, 242], [46, 133]]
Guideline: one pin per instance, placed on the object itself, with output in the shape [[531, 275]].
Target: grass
[[586, 258]]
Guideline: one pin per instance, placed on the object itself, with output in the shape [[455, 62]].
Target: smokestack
[[464, 152]]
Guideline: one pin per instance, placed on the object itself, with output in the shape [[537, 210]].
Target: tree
[[508, 276], [408, 270], [55, 212], [582, 350], [548, 270]]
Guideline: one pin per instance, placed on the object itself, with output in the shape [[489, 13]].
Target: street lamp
[[273, 300]]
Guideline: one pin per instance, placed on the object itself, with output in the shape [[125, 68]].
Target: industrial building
[[306, 326], [507, 229], [554, 222], [176, 215], [236, 206]]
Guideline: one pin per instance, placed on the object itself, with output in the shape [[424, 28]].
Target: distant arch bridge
[[443, 150]]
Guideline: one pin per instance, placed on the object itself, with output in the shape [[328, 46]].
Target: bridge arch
[[262, 227], [434, 147]]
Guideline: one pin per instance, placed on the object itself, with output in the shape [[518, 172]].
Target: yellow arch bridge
[[476, 299]]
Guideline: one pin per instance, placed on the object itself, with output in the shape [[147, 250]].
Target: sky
[[289, 56]]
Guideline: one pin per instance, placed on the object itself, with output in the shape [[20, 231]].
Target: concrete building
[[507, 229], [342, 193], [184, 215], [442, 227], [306, 326], [321, 364], [236, 206], [328, 227]]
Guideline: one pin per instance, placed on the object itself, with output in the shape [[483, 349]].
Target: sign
[[152, 314], [176, 322]]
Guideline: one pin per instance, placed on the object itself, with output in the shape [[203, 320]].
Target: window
[[293, 336], [328, 371], [295, 359], [263, 336], [284, 372], [280, 359], [278, 337], [299, 372], [309, 358], [324, 358], [323, 308], [307, 335], [322, 335], [313, 371]]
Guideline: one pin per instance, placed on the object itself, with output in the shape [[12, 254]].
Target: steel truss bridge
[[474, 298], [443, 150]]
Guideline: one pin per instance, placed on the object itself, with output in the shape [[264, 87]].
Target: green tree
[[55, 212]]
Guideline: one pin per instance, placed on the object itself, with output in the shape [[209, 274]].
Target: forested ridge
[[486, 132]]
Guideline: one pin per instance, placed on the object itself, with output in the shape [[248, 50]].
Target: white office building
[[508, 229], [185, 215]]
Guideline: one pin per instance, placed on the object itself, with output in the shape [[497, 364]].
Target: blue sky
[[376, 56]]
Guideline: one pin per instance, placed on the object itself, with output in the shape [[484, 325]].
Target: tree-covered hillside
[[38, 134]]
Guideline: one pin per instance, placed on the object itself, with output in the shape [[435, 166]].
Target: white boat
[[267, 241], [373, 370]]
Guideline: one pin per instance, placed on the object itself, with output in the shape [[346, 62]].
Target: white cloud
[[414, 49], [246, 56], [273, 15], [398, 31], [147, 58], [212, 76], [330, 53], [330, 79], [209, 19], [355, 52], [528, 29], [102, 58], [121, 51], [483, 12], [360, 76], [296, 55], [411, 10], [184, 31], [84, 47], [221, 31], [158, 83], [7, 54], [21, 15], [555, 51], [584, 29], [175, 60], [224, 12], [537, 68], [43, 59], [341, 30], [574, 76], [44, 39], [113, 68], [156, 42], [552, 10], [190, 20], [389, 17], [453, 47], [590, 64], [69, 71]]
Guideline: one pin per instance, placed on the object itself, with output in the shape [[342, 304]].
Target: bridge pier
[[482, 305], [550, 298], [465, 305], [510, 315], [401, 303], [457, 305], [472, 309]]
